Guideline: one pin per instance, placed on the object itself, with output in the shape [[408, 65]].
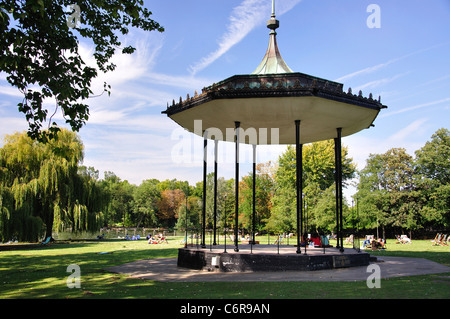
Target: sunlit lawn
[[42, 273]]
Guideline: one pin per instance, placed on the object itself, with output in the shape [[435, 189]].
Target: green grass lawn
[[42, 273]]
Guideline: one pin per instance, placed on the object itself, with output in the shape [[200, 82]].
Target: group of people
[[403, 239], [137, 237], [315, 240], [152, 239], [373, 243], [158, 239]]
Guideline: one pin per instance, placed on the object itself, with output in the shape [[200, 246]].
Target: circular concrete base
[[269, 258]]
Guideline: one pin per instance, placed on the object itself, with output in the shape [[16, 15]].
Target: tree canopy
[[318, 176], [40, 186], [45, 188], [39, 52], [399, 191]]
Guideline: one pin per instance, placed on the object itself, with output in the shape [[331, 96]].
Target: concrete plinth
[[269, 258]]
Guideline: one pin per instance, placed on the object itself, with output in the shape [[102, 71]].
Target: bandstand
[[273, 105]]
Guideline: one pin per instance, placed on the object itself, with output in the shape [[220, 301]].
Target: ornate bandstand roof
[[268, 101]]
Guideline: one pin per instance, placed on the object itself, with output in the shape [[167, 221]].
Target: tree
[[39, 52], [318, 175], [221, 191], [228, 197], [146, 198], [172, 184], [387, 191], [40, 188], [318, 165], [432, 160], [284, 212], [433, 165], [169, 205], [122, 203], [264, 189], [193, 211], [322, 215]]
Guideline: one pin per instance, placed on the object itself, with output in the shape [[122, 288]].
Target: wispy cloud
[[129, 67], [380, 82], [9, 90], [10, 125], [243, 19], [377, 67], [366, 70], [188, 82], [411, 137], [415, 107]]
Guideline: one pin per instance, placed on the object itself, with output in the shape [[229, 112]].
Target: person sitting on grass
[[316, 240], [304, 240], [152, 240], [366, 242], [378, 244]]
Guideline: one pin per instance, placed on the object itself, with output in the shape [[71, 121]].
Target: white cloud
[[129, 67], [377, 83], [409, 137], [189, 82], [377, 67], [243, 19], [10, 125], [366, 70], [11, 91], [407, 109]]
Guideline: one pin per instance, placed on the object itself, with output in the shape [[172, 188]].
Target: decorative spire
[[273, 23], [272, 62]]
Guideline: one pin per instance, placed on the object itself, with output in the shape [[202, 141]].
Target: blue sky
[[406, 61]]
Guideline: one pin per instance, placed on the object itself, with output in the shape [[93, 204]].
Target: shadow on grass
[[42, 272]]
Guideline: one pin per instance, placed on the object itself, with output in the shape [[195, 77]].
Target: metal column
[[339, 198], [216, 145], [254, 195], [336, 183], [299, 182], [205, 154], [341, 224], [236, 203]]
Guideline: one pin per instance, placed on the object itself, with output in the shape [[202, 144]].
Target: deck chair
[[436, 239], [367, 242], [444, 240], [404, 239], [349, 240], [46, 242], [279, 240], [163, 240]]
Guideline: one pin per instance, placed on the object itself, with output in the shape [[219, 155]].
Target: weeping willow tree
[[41, 190]]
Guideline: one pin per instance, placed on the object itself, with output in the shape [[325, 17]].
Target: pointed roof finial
[[272, 61], [273, 23]]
